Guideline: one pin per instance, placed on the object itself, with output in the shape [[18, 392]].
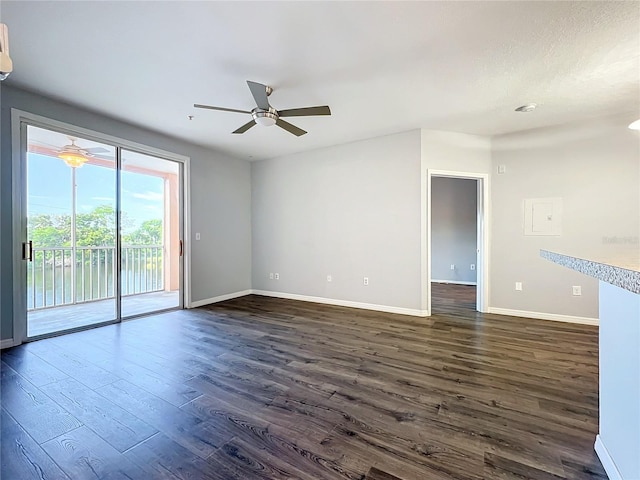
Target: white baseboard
[[343, 303], [220, 298], [545, 316], [607, 462], [6, 343], [455, 282]]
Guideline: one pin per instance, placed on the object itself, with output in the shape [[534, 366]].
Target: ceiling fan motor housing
[[266, 118]]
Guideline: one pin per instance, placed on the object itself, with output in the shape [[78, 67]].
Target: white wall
[[348, 211], [220, 201], [595, 167], [453, 229], [458, 152]]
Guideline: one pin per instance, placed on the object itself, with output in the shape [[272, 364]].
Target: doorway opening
[[456, 267], [454, 244]]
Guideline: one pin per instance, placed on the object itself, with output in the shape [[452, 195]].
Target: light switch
[[197, 235]]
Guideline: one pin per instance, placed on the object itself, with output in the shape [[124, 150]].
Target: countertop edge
[[618, 276]]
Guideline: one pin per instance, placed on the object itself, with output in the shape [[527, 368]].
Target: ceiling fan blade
[[245, 127], [259, 93], [290, 128], [36, 141], [197, 105], [305, 111], [109, 158], [96, 150]]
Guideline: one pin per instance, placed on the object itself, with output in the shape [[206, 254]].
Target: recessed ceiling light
[[529, 107], [635, 125]]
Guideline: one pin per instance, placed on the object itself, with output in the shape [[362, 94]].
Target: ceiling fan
[[265, 114], [76, 156], [73, 154]]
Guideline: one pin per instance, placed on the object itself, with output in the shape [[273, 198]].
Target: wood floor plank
[[495, 465], [32, 367], [41, 417], [121, 429], [375, 474], [268, 388], [22, 457], [84, 372], [585, 468], [271, 457], [169, 460], [168, 387], [357, 457], [177, 424], [82, 454]]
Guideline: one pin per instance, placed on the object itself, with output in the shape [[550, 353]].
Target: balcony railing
[[65, 276]]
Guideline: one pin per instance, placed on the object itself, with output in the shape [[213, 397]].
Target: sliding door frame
[[181, 225], [19, 122]]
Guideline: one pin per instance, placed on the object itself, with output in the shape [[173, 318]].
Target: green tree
[[93, 229], [148, 233], [96, 228], [50, 230]]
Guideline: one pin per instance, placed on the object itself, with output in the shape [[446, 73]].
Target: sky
[[49, 190]]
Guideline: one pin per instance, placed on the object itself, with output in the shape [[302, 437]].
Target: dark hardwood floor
[[264, 388], [452, 298]]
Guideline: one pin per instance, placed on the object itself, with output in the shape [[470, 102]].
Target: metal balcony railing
[[60, 276]]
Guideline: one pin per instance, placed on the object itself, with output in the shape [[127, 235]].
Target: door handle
[[27, 250], [180, 247]]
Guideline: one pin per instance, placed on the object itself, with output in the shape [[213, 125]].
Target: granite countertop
[[623, 272]]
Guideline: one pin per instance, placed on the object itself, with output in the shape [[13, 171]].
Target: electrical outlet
[[473, 266], [271, 276], [453, 267], [365, 281], [518, 286], [329, 278], [277, 276], [577, 290]]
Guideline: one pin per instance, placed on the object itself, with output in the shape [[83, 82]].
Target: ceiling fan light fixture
[[73, 155], [266, 119], [635, 125], [73, 159]]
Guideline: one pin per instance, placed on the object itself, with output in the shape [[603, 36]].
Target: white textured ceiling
[[383, 67]]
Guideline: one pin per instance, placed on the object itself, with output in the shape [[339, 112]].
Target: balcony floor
[[41, 322]]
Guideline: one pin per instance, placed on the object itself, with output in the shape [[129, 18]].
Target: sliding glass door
[[71, 232], [79, 195], [151, 246]]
